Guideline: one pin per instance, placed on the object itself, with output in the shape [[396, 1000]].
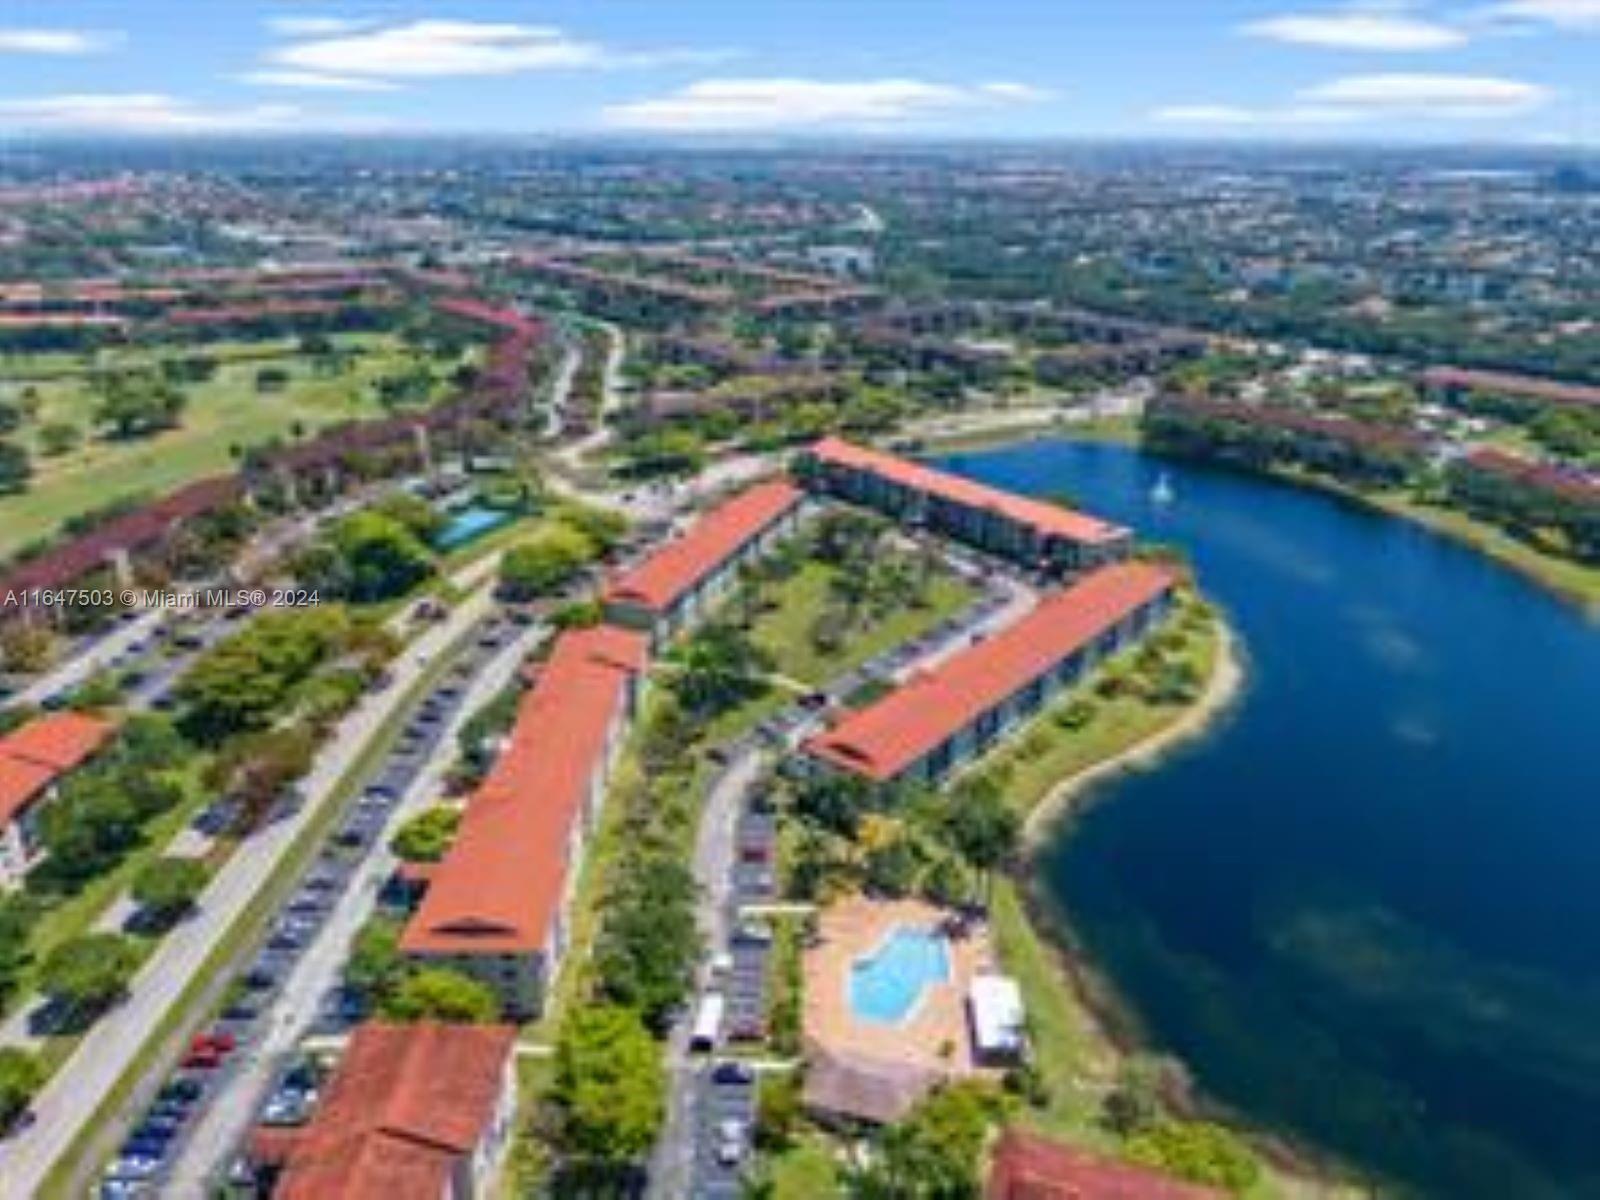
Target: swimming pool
[[468, 525], [887, 985]]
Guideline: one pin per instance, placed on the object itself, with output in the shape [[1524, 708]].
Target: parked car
[[731, 1071]]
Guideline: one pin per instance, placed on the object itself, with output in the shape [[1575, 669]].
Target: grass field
[[226, 410], [784, 629]]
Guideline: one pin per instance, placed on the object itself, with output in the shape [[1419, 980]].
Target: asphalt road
[[672, 1166], [230, 1108], [64, 1106]]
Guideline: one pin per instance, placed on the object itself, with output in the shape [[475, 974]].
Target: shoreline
[[1223, 689], [1450, 524]]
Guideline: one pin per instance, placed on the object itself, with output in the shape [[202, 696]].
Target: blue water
[[887, 985], [1366, 909], [468, 525]]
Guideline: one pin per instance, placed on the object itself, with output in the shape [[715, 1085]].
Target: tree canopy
[[609, 1086], [440, 994]]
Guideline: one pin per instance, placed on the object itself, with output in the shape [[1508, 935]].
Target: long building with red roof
[[33, 761], [497, 906], [1453, 384], [673, 584], [952, 714], [413, 1112], [1021, 528], [1028, 1167]]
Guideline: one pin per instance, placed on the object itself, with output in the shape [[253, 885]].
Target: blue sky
[[1512, 70]]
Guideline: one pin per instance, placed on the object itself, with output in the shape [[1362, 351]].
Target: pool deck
[[855, 928]]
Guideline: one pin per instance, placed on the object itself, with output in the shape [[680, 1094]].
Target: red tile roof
[[21, 782], [1048, 519], [1579, 486], [499, 888], [41, 752], [405, 1105], [672, 571], [1532, 387], [885, 738], [1032, 1168]]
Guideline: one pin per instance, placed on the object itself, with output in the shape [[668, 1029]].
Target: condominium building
[[674, 585], [497, 907], [412, 1112], [1028, 531], [950, 715], [33, 761]]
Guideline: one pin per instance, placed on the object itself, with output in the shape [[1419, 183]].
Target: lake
[[1365, 909]]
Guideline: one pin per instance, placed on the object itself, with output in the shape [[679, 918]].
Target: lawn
[[225, 411], [1073, 1057], [805, 1171], [1031, 765], [76, 915], [784, 628]]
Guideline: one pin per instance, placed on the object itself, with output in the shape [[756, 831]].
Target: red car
[[202, 1058]]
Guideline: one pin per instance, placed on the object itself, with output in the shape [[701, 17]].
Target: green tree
[[376, 967], [892, 867], [166, 888], [249, 680], [382, 557], [609, 1087], [981, 825], [138, 403], [649, 942], [18, 912], [426, 836], [1199, 1151], [21, 1077], [91, 824], [545, 562], [718, 669], [441, 994], [415, 513], [16, 468], [88, 973], [59, 437], [936, 1152], [1134, 1103], [947, 882]]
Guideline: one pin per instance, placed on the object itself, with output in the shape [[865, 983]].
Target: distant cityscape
[[520, 679]]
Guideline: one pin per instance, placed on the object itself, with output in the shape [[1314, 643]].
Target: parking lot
[[219, 1056], [725, 1110]]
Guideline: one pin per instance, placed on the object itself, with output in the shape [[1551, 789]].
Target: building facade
[[1029, 532], [33, 761], [673, 586], [412, 1112], [946, 718], [498, 906]]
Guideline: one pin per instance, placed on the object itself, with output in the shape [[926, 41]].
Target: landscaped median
[[205, 987]]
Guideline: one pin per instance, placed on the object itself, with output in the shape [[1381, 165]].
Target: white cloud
[[1357, 29], [1463, 96], [1582, 15], [314, 26], [141, 113], [1019, 93], [1369, 98], [440, 49], [56, 41], [317, 81], [741, 105]]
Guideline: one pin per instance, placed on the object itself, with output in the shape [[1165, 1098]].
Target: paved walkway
[[229, 1111], [110, 1047]]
